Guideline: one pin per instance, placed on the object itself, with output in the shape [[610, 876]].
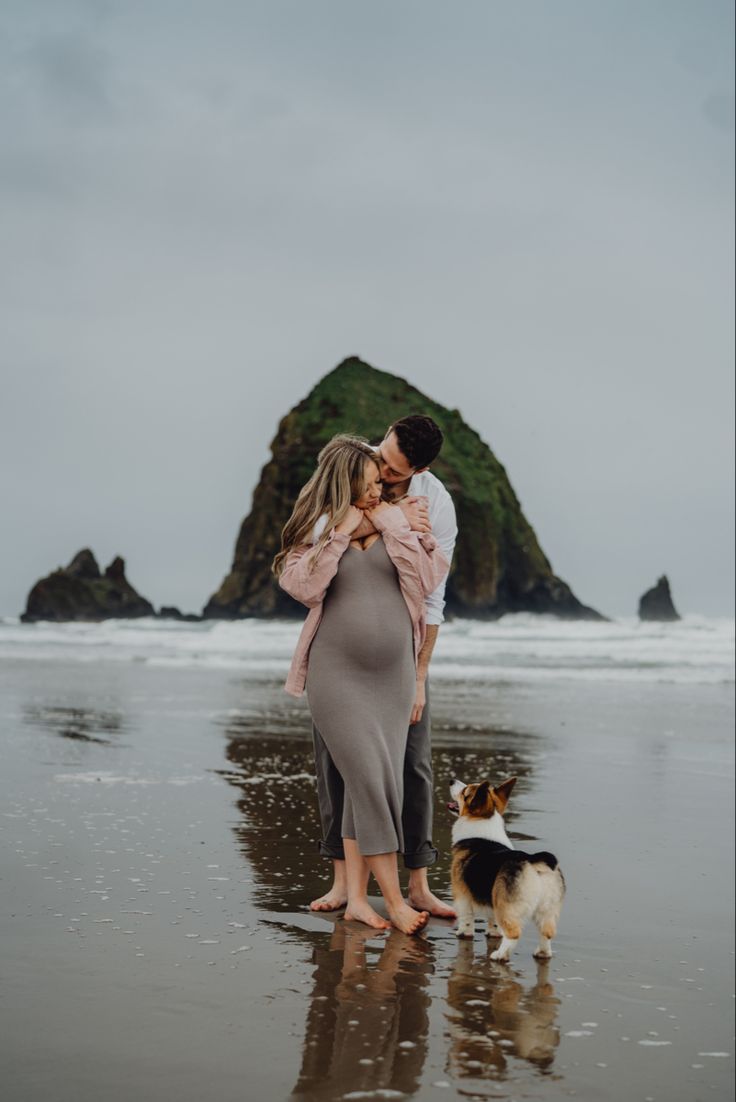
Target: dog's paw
[[465, 934], [494, 933], [502, 958], [542, 954]]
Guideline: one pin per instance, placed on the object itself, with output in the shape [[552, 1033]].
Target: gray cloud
[[208, 206], [73, 75], [718, 108]]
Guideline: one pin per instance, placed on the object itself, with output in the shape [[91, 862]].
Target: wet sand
[[157, 852]]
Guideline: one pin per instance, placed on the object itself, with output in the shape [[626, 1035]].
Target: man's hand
[[419, 702], [416, 511]]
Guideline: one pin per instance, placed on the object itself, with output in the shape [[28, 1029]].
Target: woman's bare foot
[[363, 912], [426, 901], [406, 919], [332, 900]]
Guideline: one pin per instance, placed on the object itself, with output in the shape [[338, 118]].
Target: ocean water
[[517, 648]]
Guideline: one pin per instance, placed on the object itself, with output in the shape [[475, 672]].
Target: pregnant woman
[[356, 654]]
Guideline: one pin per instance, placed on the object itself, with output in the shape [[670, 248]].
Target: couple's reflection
[[368, 1017], [493, 1017], [368, 1021]]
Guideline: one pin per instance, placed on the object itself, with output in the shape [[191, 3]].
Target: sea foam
[[516, 648]]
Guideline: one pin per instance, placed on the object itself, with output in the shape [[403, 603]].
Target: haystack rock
[[498, 567], [657, 603], [80, 592]]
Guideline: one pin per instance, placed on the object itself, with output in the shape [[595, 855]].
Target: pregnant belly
[[364, 632]]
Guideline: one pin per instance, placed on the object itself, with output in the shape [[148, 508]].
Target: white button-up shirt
[[444, 529]]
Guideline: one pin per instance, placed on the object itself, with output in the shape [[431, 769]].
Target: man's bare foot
[[406, 919], [363, 912], [332, 900], [426, 901]]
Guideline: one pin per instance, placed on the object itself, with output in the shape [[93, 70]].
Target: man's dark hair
[[420, 439]]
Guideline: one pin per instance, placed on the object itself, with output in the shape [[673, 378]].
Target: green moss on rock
[[498, 565]]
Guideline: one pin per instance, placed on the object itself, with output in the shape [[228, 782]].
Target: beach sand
[[158, 851]]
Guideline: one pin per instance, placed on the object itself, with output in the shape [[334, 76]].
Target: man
[[404, 456]]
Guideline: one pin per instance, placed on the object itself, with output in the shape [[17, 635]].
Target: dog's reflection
[[494, 1017], [368, 1021]]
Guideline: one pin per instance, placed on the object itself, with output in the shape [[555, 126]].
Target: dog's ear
[[480, 797], [502, 793]]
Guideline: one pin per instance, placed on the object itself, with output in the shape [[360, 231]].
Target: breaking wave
[[520, 647]]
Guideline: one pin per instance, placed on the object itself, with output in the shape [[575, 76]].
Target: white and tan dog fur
[[492, 880]]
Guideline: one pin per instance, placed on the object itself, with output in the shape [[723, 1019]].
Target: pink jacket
[[420, 563]]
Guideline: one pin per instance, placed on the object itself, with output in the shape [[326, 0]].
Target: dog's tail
[[551, 891], [551, 881], [547, 860]]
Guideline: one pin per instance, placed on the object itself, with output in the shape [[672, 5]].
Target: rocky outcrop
[[499, 566], [171, 612], [80, 592], [657, 603]]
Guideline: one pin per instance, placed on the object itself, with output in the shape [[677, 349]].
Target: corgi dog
[[493, 880]]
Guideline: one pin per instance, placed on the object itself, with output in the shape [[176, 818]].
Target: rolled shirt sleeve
[[444, 529]]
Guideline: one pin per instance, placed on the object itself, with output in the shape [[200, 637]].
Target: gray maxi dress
[[361, 682]]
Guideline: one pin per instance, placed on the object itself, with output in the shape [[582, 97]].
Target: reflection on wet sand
[[278, 826], [80, 724], [493, 1016], [368, 1019], [367, 1023]]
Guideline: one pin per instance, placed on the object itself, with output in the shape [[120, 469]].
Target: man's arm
[[425, 654], [423, 660], [444, 529], [364, 529]]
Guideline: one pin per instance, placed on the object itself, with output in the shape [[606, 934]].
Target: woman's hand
[[379, 510], [365, 528], [353, 518]]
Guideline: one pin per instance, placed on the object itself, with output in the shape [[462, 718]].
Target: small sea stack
[[657, 603], [171, 612], [80, 591]]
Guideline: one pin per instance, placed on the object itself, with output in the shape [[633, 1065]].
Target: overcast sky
[[525, 208]]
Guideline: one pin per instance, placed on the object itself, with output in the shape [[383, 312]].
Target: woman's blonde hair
[[338, 481]]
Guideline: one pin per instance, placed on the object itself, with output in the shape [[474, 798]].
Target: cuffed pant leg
[[418, 809], [330, 793]]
